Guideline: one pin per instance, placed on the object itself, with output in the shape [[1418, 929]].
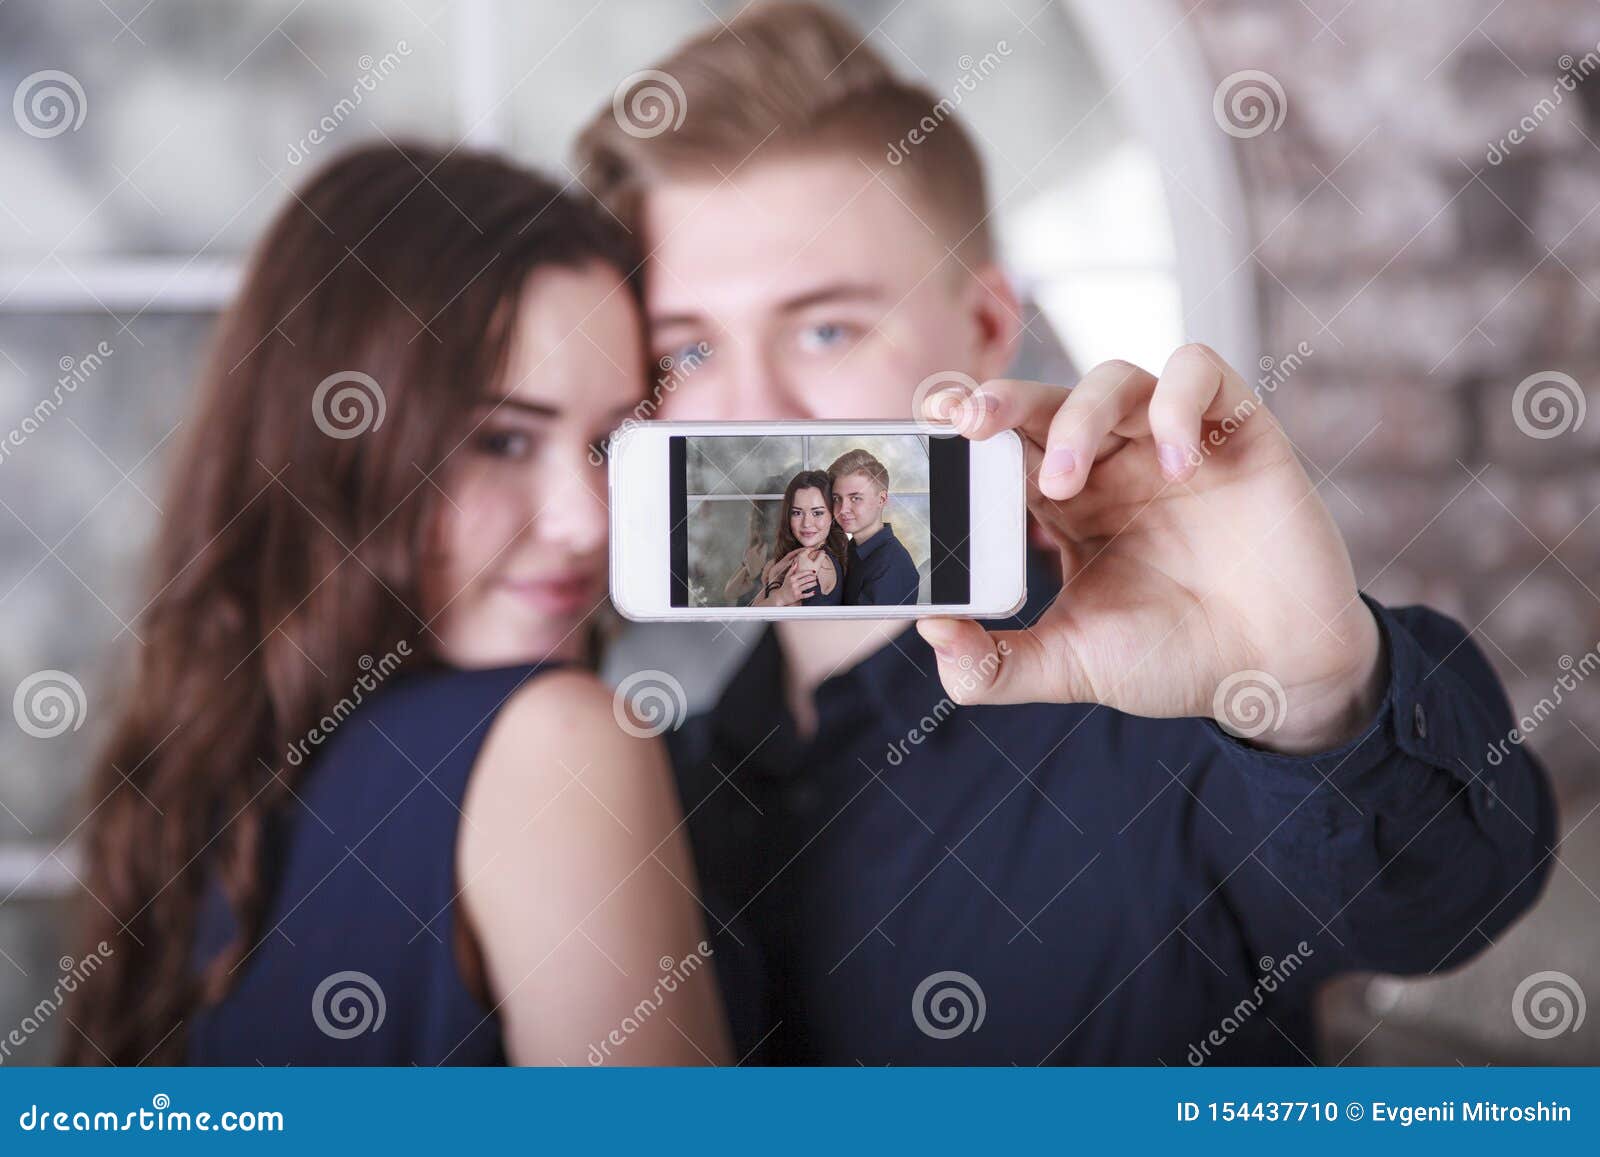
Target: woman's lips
[[563, 594]]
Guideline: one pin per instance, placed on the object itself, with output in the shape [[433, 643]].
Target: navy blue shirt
[[1098, 888], [357, 964], [879, 572]]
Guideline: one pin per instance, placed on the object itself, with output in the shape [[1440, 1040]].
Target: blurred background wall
[[1326, 190]]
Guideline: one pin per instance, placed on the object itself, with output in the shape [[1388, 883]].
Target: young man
[[1078, 865], [878, 568]]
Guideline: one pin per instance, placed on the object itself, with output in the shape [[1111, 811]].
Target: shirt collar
[[865, 549]]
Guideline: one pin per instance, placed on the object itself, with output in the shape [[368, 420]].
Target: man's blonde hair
[[860, 462], [783, 79]]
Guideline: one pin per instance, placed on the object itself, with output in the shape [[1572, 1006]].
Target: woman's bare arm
[[576, 878]]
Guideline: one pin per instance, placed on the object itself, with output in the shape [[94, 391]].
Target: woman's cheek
[[483, 525]]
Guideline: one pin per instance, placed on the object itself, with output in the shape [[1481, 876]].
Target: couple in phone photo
[[833, 547]]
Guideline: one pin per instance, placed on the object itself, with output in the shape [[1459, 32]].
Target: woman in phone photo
[[806, 567], [364, 801]]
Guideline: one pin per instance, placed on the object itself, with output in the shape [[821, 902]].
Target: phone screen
[[819, 520]]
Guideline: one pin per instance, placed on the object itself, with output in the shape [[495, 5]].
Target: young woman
[[364, 803], [807, 563]]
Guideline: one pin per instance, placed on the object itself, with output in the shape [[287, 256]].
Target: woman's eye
[[505, 443]]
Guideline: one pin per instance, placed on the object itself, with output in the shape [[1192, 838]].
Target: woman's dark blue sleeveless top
[[356, 964], [835, 597]]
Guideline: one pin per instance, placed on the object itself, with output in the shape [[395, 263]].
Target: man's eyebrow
[[834, 291], [822, 295]]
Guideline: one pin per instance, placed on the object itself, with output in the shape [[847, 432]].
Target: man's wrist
[[1327, 718]]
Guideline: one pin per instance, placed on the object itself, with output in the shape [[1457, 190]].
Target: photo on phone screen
[[810, 520]]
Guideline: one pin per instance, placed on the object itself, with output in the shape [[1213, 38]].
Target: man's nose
[[760, 391]]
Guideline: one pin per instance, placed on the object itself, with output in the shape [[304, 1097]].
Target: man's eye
[[510, 444], [680, 362], [824, 335]]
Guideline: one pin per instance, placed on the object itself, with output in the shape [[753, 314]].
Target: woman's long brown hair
[[288, 559]]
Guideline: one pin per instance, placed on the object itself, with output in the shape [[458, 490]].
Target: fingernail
[[1059, 461], [1172, 458]]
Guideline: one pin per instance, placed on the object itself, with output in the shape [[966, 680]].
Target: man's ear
[[997, 314]]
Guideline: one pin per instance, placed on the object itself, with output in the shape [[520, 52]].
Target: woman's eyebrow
[[536, 409]]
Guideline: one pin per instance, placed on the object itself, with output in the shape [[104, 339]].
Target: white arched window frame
[[1157, 75]]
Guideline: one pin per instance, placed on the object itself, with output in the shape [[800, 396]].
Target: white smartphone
[[777, 520]]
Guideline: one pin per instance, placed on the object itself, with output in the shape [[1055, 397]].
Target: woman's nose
[[574, 514]]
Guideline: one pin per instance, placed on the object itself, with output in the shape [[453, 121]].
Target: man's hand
[[1202, 575]]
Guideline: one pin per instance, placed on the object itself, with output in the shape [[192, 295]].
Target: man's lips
[[568, 592]]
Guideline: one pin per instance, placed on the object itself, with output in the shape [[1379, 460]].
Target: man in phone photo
[[878, 568], [1069, 825]]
